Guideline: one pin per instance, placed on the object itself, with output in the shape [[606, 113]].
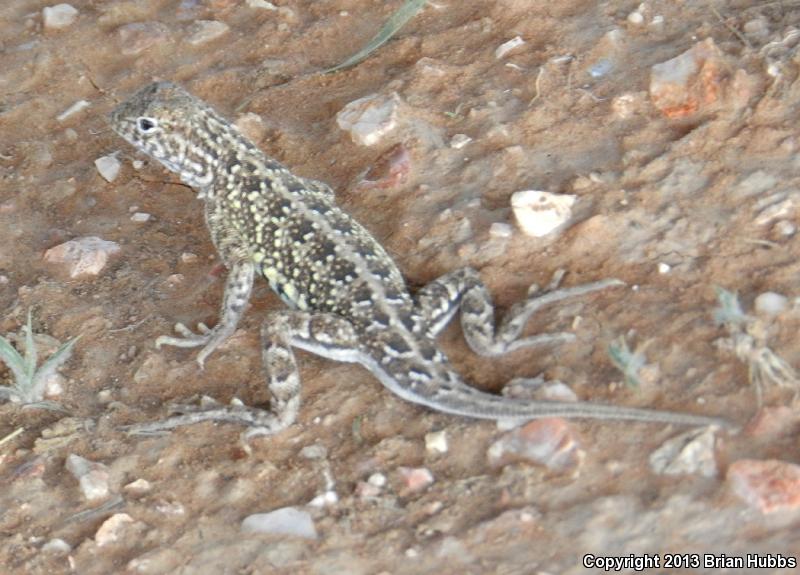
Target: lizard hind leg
[[323, 334], [463, 289]]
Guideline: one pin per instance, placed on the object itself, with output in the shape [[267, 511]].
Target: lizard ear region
[[146, 125]]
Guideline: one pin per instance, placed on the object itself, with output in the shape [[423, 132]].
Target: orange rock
[[688, 83], [767, 485]]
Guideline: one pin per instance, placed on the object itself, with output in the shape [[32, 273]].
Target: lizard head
[[177, 129]]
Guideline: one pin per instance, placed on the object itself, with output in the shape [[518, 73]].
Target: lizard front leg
[[238, 287], [326, 335]]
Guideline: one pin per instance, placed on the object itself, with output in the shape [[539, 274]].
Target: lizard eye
[[145, 125]]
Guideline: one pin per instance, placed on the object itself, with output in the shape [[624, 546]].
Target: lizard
[[346, 297]]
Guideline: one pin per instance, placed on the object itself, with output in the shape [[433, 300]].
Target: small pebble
[[664, 268], [112, 529], [771, 303], [56, 545], [377, 479], [501, 230], [507, 47], [600, 68], [93, 477], [108, 167], [188, 258], [326, 499], [539, 213], [549, 442], [458, 141], [72, 110], [366, 491], [140, 217], [59, 16], [785, 228], [53, 385], [315, 451], [262, 4], [766, 485], [138, 487], [636, 18], [415, 479], [171, 508], [284, 521], [370, 118], [690, 453], [204, 31], [436, 442], [82, 256]]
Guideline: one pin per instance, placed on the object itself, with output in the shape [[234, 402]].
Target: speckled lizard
[[348, 300]]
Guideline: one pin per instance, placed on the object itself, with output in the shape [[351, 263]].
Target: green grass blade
[[12, 359], [396, 21], [30, 353], [48, 367], [9, 393]]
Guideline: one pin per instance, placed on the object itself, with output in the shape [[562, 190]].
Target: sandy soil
[[674, 200]]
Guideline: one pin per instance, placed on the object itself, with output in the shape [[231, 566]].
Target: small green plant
[[29, 382], [396, 21], [627, 361], [748, 342]]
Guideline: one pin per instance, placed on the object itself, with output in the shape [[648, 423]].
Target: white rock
[[436, 442], [539, 213], [284, 521], [501, 230], [377, 479], [173, 508], [112, 529], [315, 451], [83, 256], [664, 268], [785, 228], [92, 476], [204, 31], [458, 141], [263, 4], [59, 16], [72, 110], [325, 499], [689, 453], [53, 385], [108, 167], [506, 47], [370, 118], [138, 487], [140, 217], [56, 545], [636, 18], [771, 303]]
